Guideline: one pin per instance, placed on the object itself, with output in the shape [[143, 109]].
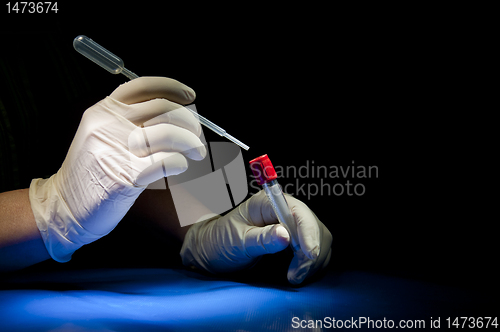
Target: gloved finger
[[157, 111], [307, 227], [180, 117], [167, 138], [302, 267], [266, 240], [157, 166], [299, 268], [146, 88], [259, 210]]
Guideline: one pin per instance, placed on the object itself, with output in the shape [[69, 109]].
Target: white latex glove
[[112, 160], [237, 240]]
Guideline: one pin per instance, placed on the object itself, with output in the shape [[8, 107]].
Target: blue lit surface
[[180, 300]]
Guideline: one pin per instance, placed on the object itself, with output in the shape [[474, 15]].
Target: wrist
[[193, 243], [62, 234]]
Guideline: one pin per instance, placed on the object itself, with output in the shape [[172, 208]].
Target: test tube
[[266, 177]]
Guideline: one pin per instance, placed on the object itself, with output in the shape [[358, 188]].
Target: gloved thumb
[[266, 240]]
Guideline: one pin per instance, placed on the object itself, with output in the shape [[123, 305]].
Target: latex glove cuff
[[60, 231]]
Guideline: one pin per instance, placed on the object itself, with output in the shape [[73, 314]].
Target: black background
[[389, 87]]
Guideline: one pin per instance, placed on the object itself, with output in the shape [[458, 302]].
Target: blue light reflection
[[154, 299], [180, 300]]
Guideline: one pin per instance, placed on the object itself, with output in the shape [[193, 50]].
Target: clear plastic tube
[[113, 64], [277, 198], [95, 52], [215, 128], [266, 176]]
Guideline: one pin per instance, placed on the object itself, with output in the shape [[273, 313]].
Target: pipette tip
[[234, 140]]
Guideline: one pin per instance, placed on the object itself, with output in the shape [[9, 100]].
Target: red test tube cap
[[262, 169]]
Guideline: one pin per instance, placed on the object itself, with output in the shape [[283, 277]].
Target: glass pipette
[[115, 65]]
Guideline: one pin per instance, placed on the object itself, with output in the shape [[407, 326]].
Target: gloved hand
[[112, 160], [237, 240]]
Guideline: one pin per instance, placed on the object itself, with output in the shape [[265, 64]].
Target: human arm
[[137, 135], [20, 242]]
